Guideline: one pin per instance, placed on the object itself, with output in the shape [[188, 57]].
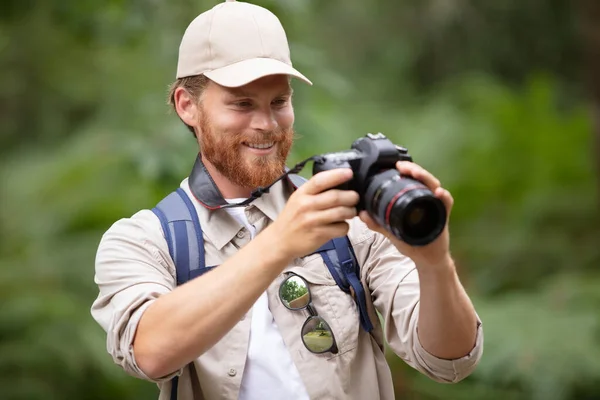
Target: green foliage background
[[489, 96]]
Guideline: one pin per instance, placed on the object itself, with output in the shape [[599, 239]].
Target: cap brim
[[246, 71]]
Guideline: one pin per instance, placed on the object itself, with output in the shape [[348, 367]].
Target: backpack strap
[[183, 233], [341, 261]]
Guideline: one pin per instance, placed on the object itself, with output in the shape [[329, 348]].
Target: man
[[226, 334]]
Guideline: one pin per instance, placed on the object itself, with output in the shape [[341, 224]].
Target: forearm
[[179, 326], [447, 325]]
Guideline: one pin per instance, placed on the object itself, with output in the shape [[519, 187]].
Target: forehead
[[269, 85]]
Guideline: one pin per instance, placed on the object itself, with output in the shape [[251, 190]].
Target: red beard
[[223, 151]]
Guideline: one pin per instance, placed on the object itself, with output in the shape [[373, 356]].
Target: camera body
[[368, 156], [404, 206]]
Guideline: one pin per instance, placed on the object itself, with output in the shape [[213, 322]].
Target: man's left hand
[[436, 253]]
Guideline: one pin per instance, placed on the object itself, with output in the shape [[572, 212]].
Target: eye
[[243, 104], [279, 102]]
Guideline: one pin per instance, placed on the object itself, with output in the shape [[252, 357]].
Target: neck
[[227, 189]]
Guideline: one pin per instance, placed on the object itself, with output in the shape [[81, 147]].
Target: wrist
[[269, 243], [440, 269]]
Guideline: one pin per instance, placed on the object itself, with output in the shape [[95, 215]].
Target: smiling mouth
[[259, 146]]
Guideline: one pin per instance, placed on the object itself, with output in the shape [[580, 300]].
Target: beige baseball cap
[[235, 43]]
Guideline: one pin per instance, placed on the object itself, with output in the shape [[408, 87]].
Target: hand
[[314, 214], [435, 253]]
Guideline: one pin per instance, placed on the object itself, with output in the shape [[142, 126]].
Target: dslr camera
[[404, 206]]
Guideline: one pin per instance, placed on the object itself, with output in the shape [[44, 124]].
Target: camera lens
[[405, 207]]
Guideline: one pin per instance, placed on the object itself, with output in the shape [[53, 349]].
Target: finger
[[334, 198], [446, 198], [370, 222], [419, 173], [334, 215], [337, 229], [326, 180]]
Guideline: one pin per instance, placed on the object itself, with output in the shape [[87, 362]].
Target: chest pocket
[[335, 306]]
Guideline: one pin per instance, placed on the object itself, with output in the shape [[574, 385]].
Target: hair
[[194, 85]]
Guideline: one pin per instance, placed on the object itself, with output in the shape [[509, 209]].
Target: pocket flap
[[320, 276]]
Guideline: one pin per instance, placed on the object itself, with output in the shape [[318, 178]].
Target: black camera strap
[[205, 190]]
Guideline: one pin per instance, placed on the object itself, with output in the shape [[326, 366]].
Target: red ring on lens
[[388, 210]]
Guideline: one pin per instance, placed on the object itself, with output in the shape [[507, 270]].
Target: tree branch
[[589, 15]]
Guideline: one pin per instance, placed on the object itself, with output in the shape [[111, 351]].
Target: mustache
[[276, 135]]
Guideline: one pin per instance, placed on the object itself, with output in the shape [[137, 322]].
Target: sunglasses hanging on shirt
[[316, 333]]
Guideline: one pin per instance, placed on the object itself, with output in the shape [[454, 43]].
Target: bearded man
[[230, 333]]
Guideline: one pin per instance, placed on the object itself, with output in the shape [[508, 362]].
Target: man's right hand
[[314, 214]]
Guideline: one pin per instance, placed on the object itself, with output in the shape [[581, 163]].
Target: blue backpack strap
[[351, 270], [174, 387], [341, 261], [183, 233]]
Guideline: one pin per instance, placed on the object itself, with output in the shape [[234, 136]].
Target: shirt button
[[232, 372], [241, 234]]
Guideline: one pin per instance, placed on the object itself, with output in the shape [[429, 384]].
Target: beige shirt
[[133, 268]]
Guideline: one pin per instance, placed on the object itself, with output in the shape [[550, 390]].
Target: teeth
[[260, 145]]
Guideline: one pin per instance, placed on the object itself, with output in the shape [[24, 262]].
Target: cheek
[[285, 118], [231, 123]]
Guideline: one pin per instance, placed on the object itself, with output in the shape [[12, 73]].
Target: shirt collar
[[217, 225], [271, 204]]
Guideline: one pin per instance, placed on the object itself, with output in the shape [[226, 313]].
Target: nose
[[264, 120]]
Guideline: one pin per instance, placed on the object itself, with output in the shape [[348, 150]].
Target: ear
[[186, 106]]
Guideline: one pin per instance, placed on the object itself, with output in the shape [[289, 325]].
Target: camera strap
[[207, 193]]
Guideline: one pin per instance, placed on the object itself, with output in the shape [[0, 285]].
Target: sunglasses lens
[[294, 293], [317, 335]]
